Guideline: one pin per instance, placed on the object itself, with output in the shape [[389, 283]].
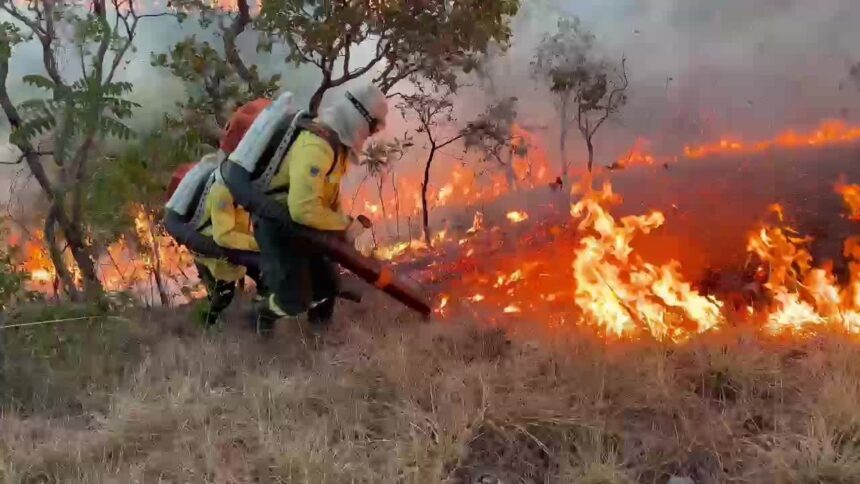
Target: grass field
[[153, 399]]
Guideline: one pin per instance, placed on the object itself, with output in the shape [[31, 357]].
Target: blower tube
[[238, 180]]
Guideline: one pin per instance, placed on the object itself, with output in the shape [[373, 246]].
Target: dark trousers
[[221, 293], [299, 275]]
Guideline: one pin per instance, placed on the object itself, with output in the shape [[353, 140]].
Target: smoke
[[155, 89], [700, 69]]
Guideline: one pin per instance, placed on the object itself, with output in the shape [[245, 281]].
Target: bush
[[12, 280]]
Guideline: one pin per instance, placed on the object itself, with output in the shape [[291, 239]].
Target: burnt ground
[[711, 206], [383, 397]]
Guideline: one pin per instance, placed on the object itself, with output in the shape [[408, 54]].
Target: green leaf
[[41, 82]]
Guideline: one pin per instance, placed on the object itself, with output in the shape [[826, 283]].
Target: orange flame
[[639, 154], [619, 291], [829, 132], [851, 197], [805, 297], [517, 216], [121, 266]]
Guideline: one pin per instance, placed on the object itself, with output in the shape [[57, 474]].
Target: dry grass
[[402, 401]]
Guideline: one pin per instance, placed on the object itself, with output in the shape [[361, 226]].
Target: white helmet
[[356, 116]]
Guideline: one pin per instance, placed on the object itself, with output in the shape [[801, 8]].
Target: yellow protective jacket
[[230, 227], [312, 173]]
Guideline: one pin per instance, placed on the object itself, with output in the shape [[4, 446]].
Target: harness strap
[[278, 191], [327, 134], [301, 122], [200, 210], [273, 164]]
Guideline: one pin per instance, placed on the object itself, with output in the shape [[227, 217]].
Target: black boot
[[253, 314], [265, 321], [321, 313]]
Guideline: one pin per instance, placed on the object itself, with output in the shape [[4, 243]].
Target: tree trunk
[[425, 212], [379, 187], [80, 175], [71, 232], [81, 253], [357, 193], [316, 99], [590, 152], [562, 141], [396, 204], [510, 174], [231, 50], [156, 273], [409, 228], [63, 274]]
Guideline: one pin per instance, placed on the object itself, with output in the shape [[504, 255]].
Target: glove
[[356, 227]]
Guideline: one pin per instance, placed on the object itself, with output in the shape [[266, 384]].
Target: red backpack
[[238, 124], [178, 174]]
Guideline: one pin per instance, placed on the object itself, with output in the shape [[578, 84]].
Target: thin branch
[[307, 59], [104, 43], [451, 140], [16, 162], [27, 151], [347, 42], [155, 15], [394, 95], [231, 51], [617, 91], [82, 57], [348, 76], [386, 83], [65, 320], [118, 15], [22, 156], [44, 33], [9, 7]]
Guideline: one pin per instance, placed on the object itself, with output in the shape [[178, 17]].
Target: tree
[[404, 34], [378, 160], [431, 38], [493, 135], [433, 111], [589, 89], [77, 115], [225, 78], [125, 196]]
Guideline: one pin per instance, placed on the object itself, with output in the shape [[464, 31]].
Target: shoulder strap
[[200, 205], [327, 134], [271, 159], [302, 122]]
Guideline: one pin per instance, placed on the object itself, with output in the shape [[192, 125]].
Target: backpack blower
[[266, 137]]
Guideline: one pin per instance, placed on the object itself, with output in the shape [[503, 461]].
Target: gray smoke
[[702, 68], [699, 68]]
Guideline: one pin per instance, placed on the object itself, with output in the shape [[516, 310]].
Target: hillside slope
[[152, 399]]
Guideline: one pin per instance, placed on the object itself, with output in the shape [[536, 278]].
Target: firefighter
[[201, 214], [230, 227], [302, 279]]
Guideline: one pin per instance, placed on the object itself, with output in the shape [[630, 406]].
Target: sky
[[698, 68]]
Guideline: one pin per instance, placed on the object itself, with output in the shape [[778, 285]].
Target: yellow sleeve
[[308, 164], [225, 230]]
